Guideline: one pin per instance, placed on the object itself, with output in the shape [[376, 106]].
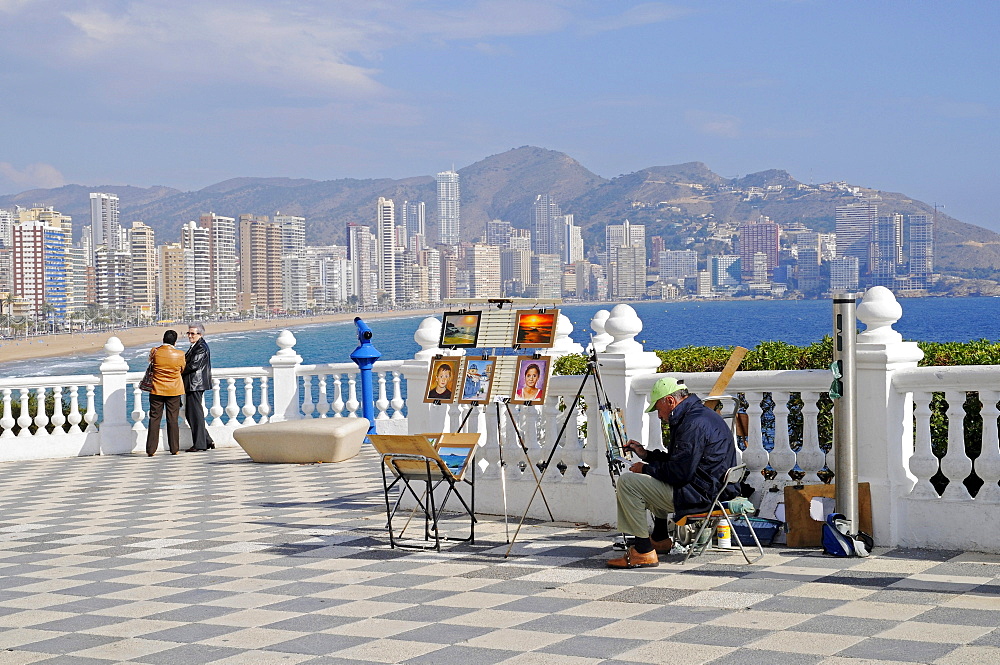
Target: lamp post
[[845, 425], [365, 356]]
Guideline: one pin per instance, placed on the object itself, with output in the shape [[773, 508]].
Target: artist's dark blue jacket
[[701, 450]]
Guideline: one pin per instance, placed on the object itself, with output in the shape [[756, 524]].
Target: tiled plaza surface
[[210, 558]]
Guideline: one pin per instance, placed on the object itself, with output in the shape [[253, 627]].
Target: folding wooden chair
[[718, 511], [412, 459]]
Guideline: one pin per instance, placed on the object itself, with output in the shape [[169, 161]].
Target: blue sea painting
[[454, 458]]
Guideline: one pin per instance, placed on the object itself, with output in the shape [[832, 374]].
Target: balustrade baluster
[[352, 395], [529, 429], [988, 462], [90, 417], [232, 404], [811, 456], [41, 418], [75, 417], [24, 418], [264, 408], [488, 454], [397, 397], [323, 405], [923, 463], [248, 408], [7, 420], [956, 464], [782, 456], [382, 403], [58, 418], [551, 423], [138, 414], [755, 456], [338, 397], [308, 403], [216, 411]]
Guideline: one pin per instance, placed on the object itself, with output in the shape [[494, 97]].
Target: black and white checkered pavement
[[211, 558]]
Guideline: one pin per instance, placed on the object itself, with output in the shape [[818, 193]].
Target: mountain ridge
[[672, 200]]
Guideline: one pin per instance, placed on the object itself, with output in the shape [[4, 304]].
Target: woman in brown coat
[[168, 387]]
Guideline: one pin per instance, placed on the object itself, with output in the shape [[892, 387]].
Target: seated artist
[[682, 481]]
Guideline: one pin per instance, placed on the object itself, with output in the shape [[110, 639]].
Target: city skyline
[[886, 96]]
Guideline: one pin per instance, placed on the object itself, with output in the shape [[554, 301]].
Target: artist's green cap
[[665, 386]]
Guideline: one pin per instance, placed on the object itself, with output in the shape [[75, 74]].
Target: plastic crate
[[765, 529]]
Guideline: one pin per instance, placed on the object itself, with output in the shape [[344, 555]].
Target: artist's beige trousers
[[637, 493]]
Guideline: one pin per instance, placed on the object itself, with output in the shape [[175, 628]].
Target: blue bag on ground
[[837, 540]]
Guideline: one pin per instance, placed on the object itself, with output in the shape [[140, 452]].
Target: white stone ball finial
[[114, 347], [427, 335], [623, 325], [878, 310], [285, 342], [564, 343], [602, 338], [114, 362]]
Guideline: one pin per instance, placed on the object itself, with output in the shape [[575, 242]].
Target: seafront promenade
[[211, 558]]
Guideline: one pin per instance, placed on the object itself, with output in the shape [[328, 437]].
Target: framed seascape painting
[[532, 380], [441, 380], [459, 330], [535, 329], [477, 380]]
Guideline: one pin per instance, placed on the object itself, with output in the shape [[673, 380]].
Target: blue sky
[[900, 96]]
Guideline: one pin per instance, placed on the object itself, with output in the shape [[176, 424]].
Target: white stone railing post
[[285, 383], [601, 338], [622, 361], [116, 436], [885, 416], [423, 418], [564, 344]]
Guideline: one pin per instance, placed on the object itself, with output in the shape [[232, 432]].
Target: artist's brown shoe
[[634, 559], [664, 545]]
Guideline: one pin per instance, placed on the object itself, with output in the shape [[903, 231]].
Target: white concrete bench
[[303, 441]]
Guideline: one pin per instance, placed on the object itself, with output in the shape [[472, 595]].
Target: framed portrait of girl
[[441, 381], [532, 380]]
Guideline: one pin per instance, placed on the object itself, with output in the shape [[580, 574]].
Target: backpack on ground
[[837, 540]]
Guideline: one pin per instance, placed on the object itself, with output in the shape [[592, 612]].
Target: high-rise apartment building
[[725, 270], [498, 233], [197, 240], [547, 237], [39, 270], [921, 255], [414, 218], [676, 264], [519, 239], [572, 241], [294, 277], [222, 261], [483, 264], [7, 220], [261, 249], [385, 227], [293, 233], [854, 231], [758, 237], [176, 281], [629, 272], [449, 208], [885, 252], [430, 260], [364, 279], [844, 273], [515, 271], [104, 215], [546, 276], [142, 247]]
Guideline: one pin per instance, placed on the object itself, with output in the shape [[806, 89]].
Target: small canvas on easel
[[532, 379], [459, 330], [441, 380], [535, 329], [477, 379]]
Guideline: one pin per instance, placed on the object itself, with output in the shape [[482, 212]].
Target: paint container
[[723, 535]]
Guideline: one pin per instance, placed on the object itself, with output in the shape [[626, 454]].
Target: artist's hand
[[637, 467], [636, 447]]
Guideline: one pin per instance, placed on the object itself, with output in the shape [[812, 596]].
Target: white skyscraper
[[414, 218], [385, 227], [449, 208], [195, 239], [104, 222], [293, 233]]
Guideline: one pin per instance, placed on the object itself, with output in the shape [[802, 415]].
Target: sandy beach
[[68, 344]]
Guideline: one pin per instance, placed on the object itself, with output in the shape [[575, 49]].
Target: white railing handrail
[[793, 380], [937, 379], [50, 381], [345, 367], [241, 372]]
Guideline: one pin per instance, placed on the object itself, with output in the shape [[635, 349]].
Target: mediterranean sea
[[666, 325]]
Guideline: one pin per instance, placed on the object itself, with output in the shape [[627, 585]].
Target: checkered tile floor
[[211, 558]]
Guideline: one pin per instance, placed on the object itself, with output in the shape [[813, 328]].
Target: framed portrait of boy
[[477, 379], [459, 330], [442, 379], [535, 329], [532, 380]]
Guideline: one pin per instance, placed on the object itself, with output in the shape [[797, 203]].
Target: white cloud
[[645, 14], [714, 124], [33, 175]]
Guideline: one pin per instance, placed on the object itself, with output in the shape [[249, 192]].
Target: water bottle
[[723, 535]]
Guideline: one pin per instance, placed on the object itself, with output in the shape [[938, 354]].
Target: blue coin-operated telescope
[[365, 356]]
